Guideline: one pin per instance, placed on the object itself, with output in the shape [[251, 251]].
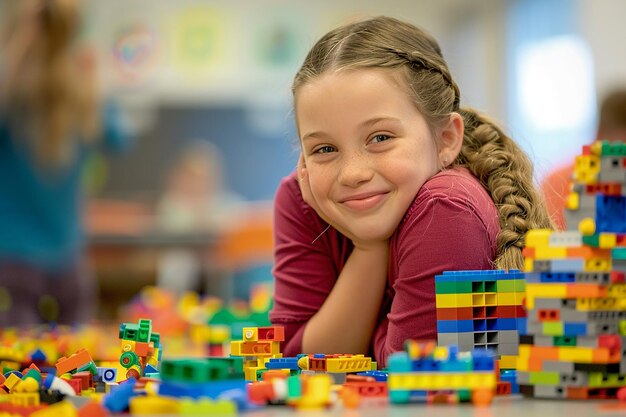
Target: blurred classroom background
[[205, 88]]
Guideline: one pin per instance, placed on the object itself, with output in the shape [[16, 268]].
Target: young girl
[[395, 184], [49, 115]]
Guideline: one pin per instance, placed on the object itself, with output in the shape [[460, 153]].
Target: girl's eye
[[324, 149], [380, 138]]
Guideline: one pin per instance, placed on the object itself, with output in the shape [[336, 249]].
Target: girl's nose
[[355, 171]]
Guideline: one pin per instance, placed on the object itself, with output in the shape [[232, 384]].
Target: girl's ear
[[450, 140]]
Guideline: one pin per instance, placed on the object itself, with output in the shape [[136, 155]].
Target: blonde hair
[[49, 99], [493, 157]]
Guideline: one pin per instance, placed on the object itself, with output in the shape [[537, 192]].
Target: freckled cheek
[[320, 182]]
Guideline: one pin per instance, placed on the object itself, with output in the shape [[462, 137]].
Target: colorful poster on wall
[[197, 40], [276, 40], [134, 51]]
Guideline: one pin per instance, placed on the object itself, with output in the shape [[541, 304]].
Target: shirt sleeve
[[116, 135], [441, 234], [307, 258]]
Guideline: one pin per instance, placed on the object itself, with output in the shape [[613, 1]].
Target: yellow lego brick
[[508, 362], [12, 382], [617, 290], [509, 298], [587, 226], [250, 334], [356, 363], [316, 393], [249, 373], [127, 345], [453, 300], [575, 354], [573, 201], [586, 168], [529, 264], [597, 265], [153, 405], [25, 399], [547, 253], [441, 353], [537, 238], [543, 290], [441, 380], [607, 240], [62, 408], [219, 334], [208, 407], [598, 304], [200, 333]]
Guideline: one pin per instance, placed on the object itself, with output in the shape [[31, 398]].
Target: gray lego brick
[[508, 349], [523, 377], [508, 336], [558, 366], [550, 391], [541, 340], [568, 238], [547, 303]]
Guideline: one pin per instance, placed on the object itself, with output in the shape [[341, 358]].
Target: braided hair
[[487, 152]]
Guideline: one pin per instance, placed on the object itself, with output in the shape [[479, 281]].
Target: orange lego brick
[[80, 358], [528, 252], [92, 409], [141, 348], [274, 334], [459, 313], [586, 290]]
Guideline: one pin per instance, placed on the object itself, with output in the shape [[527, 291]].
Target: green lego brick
[[144, 330], [91, 367], [593, 240], [294, 388], [491, 286], [553, 328], [478, 286], [564, 340], [463, 287], [618, 253], [200, 370], [544, 378], [32, 373], [622, 327], [155, 338], [464, 395], [130, 331], [598, 380]]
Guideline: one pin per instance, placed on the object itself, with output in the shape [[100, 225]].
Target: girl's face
[[366, 148]]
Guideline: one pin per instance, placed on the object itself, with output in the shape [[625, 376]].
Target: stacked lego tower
[[259, 345], [140, 350], [572, 344], [480, 309], [424, 372]]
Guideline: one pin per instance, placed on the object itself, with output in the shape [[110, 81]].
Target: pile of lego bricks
[[480, 309], [574, 341], [424, 372]]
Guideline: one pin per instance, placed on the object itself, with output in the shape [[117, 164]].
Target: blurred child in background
[[50, 118], [611, 127]]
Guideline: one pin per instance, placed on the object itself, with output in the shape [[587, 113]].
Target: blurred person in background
[[194, 201], [611, 127], [50, 119]]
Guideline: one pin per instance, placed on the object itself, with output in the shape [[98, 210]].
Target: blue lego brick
[[425, 365], [283, 363], [117, 399], [399, 362], [502, 324], [479, 275], [455, 326], [575, 329], [194, 390], [483, 359], [522, 325], [610, 214], [380, 376]]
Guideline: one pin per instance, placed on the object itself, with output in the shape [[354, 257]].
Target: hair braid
[[506, 172]]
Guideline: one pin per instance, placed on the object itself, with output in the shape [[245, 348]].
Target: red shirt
[[451, 225]]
